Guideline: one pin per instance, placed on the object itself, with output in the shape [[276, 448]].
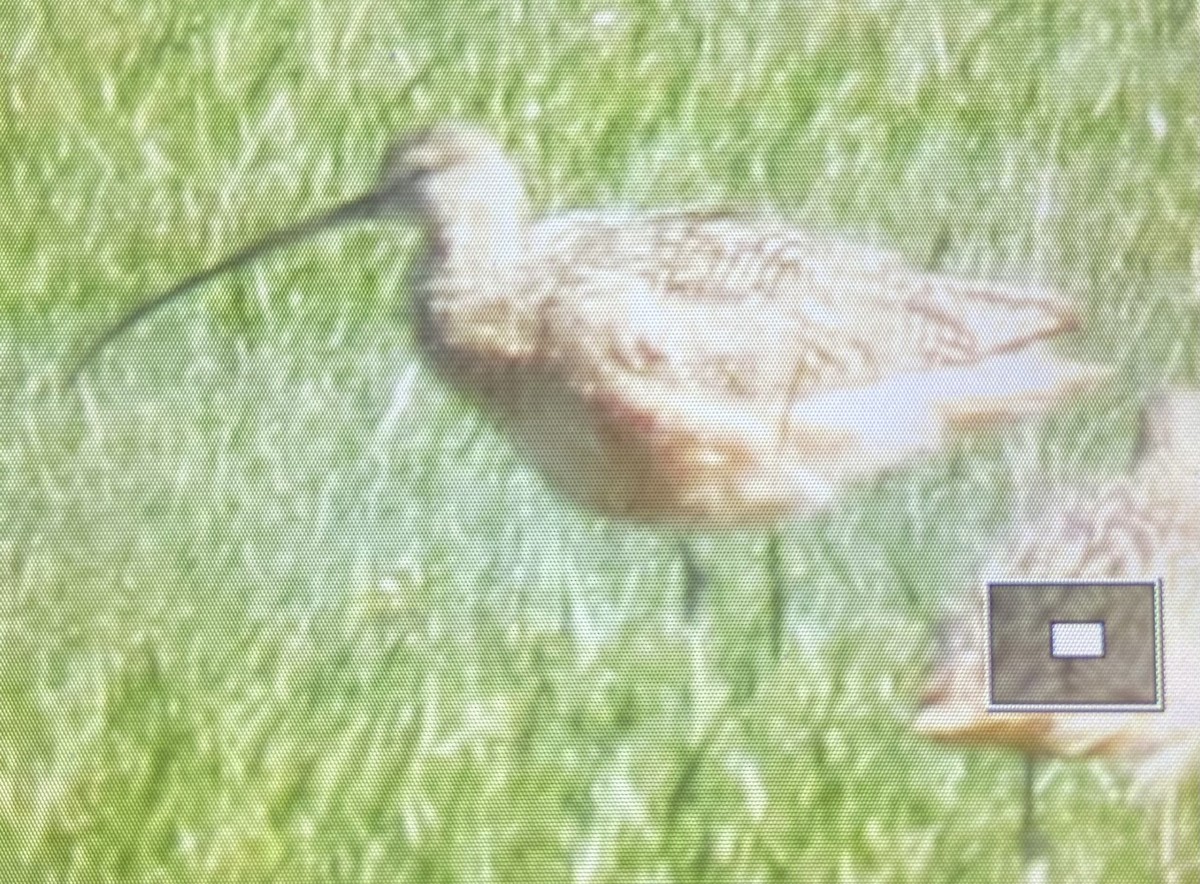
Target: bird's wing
[[758, 308]]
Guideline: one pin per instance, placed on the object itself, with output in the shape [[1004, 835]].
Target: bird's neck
[[474, 246], [468, 254], [476, 228]]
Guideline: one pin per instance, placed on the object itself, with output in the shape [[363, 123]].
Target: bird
[[1138, 527], [694, 368], [689, 366]]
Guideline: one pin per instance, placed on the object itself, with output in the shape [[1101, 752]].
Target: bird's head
[[450, 173], [453, 178]]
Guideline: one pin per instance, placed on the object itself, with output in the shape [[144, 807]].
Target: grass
[[277, 605]]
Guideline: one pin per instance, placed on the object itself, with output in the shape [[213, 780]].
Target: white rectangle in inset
[[1077, 639]]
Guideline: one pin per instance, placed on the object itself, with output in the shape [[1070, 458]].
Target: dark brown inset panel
[[1023, 670]]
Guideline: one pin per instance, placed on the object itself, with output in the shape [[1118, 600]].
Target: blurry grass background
[[275, 605]]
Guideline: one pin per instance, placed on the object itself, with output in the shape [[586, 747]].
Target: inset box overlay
[[1075, 645]]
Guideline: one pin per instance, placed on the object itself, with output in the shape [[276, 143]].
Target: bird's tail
[[1010, 386]]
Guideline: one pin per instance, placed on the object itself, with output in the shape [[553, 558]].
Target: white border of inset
[[1159, 682]]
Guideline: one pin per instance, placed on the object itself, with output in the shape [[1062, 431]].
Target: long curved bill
[[361, 208]]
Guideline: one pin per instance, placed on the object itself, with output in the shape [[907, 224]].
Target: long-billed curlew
[[692, 368], [1144, 527]]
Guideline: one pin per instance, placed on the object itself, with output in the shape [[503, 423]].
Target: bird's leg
[[1032, 846], [1028, 822], [695, 582], [776, 587], [1166, 836]]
